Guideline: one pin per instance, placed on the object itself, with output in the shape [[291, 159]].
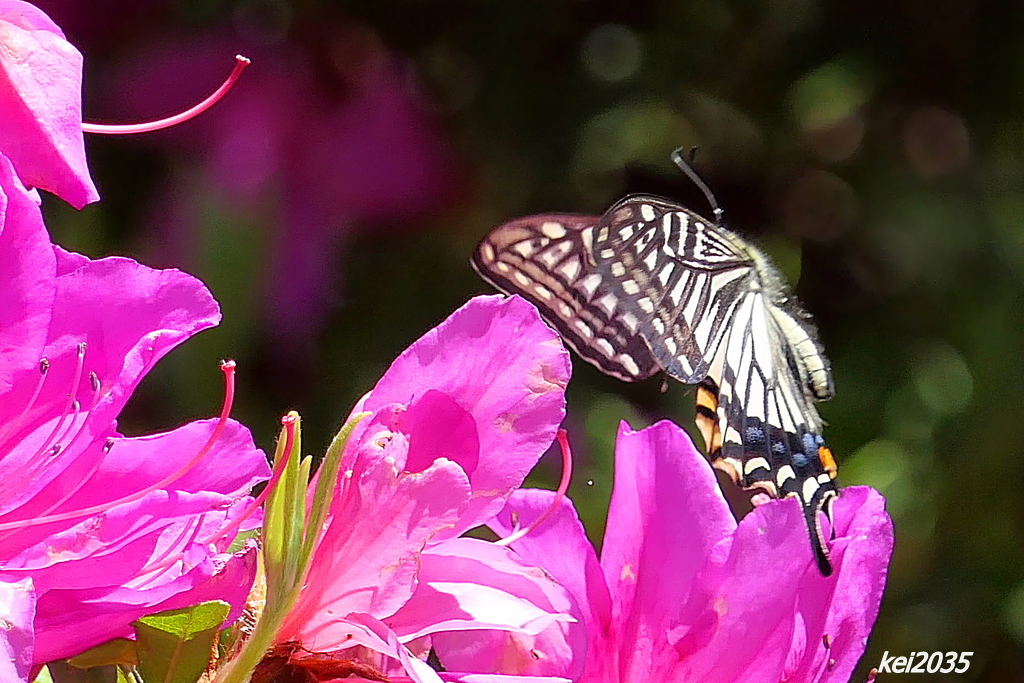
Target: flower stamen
[[128, 129], [228, 367], [44, 367], [289, 422], [563, 486], [173, 554]]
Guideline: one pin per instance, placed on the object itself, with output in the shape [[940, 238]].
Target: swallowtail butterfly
[[651, 286]]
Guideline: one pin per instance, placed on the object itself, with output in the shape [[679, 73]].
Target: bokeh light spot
[[611, 53], [820, 206], [936, 142], [828, 95], [942, 379], [885, 465]]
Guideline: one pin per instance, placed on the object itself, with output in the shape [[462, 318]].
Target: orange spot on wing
[[827, 461]]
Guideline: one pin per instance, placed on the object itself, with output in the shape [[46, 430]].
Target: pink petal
[[360, 632], [380, 521], [481, 603], [41, 104], [89, 571], [69, 622], [102, 550], [560, 546], [748, 598], [28, 264], [126, 335], [498, 678], [844, 606], [17, 611], [498, 361], [128, 316], [666, 516]]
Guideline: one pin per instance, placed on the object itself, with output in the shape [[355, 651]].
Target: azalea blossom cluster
[[98, 529]]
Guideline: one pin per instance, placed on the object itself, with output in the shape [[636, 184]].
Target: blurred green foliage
[[876, 149]]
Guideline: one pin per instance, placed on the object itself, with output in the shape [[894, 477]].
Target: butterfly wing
[[758, 419], [681, 277], [652, 286], [547, 260]]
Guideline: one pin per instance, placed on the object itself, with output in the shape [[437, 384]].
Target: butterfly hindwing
[[547, 260], [759, 421]]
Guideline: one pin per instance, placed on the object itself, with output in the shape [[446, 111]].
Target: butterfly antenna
[[685, 167]]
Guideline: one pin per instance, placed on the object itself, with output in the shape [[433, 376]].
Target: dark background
[[331, 201]]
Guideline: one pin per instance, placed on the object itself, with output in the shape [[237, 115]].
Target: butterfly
[[653, 287]]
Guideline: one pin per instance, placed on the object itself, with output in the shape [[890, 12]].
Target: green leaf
[[175, 646], [116, 651]]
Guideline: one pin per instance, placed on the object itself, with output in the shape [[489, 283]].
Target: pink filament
[[228, 367], [128, 129], [289, 422], [563, 486]]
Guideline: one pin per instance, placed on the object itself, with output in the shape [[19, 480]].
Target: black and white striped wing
[[652, 286], [547, 260], [679, 276], [758, 418]]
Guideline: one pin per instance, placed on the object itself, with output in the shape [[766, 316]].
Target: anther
[[44, 366], [94, 380]]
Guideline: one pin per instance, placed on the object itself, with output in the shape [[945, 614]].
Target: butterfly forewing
[[547, 260], [680, 277]]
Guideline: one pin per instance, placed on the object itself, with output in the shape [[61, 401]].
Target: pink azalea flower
[[41, 104], [456, 423], [77, 513], [683, 593]]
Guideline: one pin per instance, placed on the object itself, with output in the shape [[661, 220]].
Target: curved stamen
[[563, 486], [228, 367], [289, 421], [75, 429], [94, 383], [82, 481], [44, 367], [71, 408], [127, 129], [172, 553]]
